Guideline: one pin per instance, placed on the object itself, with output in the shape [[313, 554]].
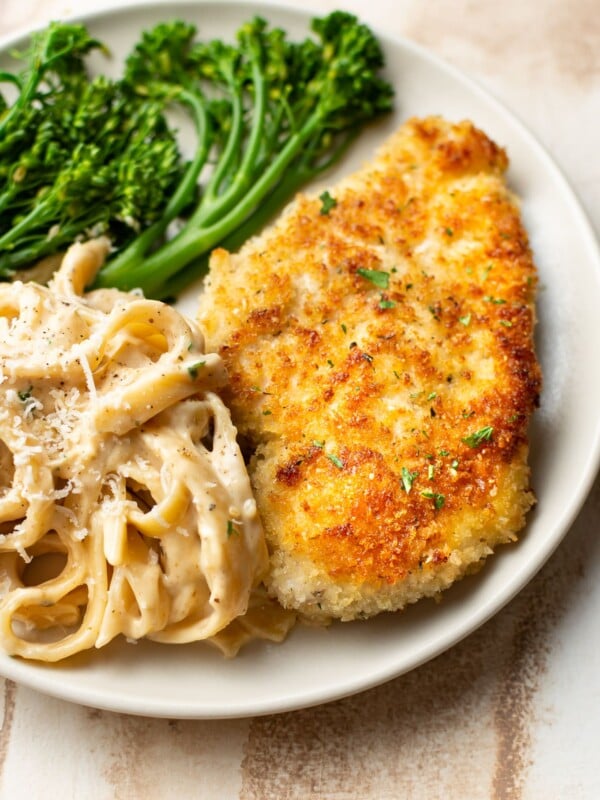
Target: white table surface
[[513, 712]]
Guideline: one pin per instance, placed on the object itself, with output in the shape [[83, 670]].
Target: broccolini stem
[[286, 188], [37, 216], [37, 246], [193, 242], [291, 183], [209, 212], [229, 152], [6, 198], [78, 42], [25, 96], [132, 254], [187, 186]]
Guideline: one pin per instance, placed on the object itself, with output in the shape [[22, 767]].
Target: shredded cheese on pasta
[[125, 506]]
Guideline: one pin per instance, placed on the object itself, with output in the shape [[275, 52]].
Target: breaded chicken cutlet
[[379, 341]]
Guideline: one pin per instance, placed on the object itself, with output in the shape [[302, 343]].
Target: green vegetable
[[285, 111], [75, 154], [79, 157], [54, 54]]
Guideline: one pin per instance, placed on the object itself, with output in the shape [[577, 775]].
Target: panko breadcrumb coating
[[379, 342]]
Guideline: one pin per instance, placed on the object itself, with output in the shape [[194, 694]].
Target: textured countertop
[[511, 713]]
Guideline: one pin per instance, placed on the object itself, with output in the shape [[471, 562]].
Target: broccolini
[[81, 156]]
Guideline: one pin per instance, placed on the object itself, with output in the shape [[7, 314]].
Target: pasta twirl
[[125, 506]]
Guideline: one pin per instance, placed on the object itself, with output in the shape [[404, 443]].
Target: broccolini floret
[[75, 154]]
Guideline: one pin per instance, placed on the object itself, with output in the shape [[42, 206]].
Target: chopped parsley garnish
[[499, 301], [448, 231], [476, 438], [444, 453], [330, 362], [23, 396], [376, 276], [344, 328], [328, 202], [408, 479], [335, 460], [266, 412], [466, 320], [195, 369], [319, 444], [385, 303], [506, 322], [396, 374], [432, 395], [430, 472], [230, 528], [438, 499]]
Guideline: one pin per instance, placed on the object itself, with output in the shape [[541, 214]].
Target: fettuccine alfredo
[[125, 506]]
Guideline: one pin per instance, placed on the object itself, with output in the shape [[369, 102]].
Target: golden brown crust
[[366, 348]]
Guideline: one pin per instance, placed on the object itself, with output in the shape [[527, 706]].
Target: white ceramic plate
[[314, 666]]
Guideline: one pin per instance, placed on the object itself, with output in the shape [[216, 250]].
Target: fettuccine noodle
[[125, 506]]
